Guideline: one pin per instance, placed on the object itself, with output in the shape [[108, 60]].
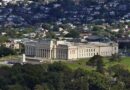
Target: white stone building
[[63, 50]]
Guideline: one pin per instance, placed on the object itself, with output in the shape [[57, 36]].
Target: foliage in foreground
[[58, 76]]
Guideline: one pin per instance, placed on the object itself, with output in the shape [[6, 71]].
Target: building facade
[[63, 50]]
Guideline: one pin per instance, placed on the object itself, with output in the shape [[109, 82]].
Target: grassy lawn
[[79, 64], [125, 61], [82, 63], [10, 58]]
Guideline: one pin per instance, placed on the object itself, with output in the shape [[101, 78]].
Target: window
[[73, 51]]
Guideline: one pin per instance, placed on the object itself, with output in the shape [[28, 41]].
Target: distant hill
[[65, 11]]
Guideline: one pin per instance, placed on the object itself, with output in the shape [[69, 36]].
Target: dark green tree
[[122, 74], [4, 51], [73, 33], [96, 61], [93, 60], [115, 57], [100, 66]]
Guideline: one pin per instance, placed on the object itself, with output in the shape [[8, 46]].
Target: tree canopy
[[58, 76]]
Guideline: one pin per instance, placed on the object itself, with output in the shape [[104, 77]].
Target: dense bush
[[56, 76], [4, 51]]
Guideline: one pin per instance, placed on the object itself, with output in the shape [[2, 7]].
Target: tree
[[57, 76], [98, 31], [96, 61], [100, 66], [50, 35], [17, 87], [120, 33], [60, 83], [38, 87], [58, 67], [4, 77], [121, 73], [80, 81], [46, 26], [3, 39], [41, 87], [93, 60], [115, 57], [73, 33], [6, 51]]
